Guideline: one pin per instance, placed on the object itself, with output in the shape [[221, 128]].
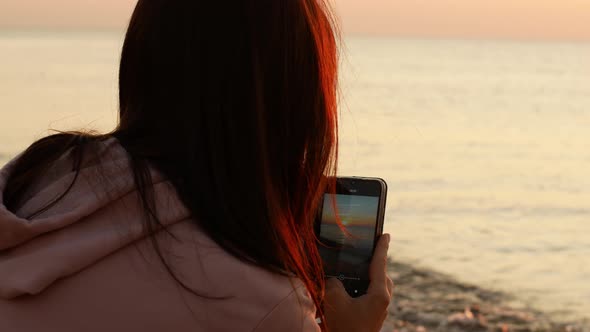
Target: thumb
[[336, 296], [334, 287], [335, 291]]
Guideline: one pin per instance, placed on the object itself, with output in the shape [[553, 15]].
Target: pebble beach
[[426, 300]]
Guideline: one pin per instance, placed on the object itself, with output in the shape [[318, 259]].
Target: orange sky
[[516, 19], [520, 19]]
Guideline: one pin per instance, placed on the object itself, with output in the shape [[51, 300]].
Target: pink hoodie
[[85, 264]]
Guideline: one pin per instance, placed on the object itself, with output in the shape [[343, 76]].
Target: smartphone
[[349, 224]]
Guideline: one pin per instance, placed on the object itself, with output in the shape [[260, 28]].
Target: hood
[[100, 215]]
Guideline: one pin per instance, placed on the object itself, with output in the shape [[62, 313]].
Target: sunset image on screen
[[347, 249], [358, 215]]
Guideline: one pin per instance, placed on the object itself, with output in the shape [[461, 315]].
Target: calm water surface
[[485, 146]]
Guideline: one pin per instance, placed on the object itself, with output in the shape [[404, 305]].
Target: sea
[[485, 145]]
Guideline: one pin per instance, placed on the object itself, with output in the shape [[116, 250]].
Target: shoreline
[[426, 300]]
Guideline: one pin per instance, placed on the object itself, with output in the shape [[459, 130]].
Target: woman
[[196, 212]]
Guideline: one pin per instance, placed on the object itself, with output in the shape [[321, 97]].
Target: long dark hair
[[236, 105]]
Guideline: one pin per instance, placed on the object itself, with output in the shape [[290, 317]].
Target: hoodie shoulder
[[99, 215]]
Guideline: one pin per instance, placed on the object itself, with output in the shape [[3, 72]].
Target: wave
[[505, 211]]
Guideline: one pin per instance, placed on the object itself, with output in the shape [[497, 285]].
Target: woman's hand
[[367, 312]]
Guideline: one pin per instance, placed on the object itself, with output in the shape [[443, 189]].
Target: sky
[[496, 19]]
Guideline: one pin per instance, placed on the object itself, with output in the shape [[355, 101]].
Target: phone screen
[[347, 250]]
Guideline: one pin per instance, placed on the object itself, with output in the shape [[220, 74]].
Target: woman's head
[[236, 103]]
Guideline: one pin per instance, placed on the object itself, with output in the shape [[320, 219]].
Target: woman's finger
[[390, 286], [378, 267]]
